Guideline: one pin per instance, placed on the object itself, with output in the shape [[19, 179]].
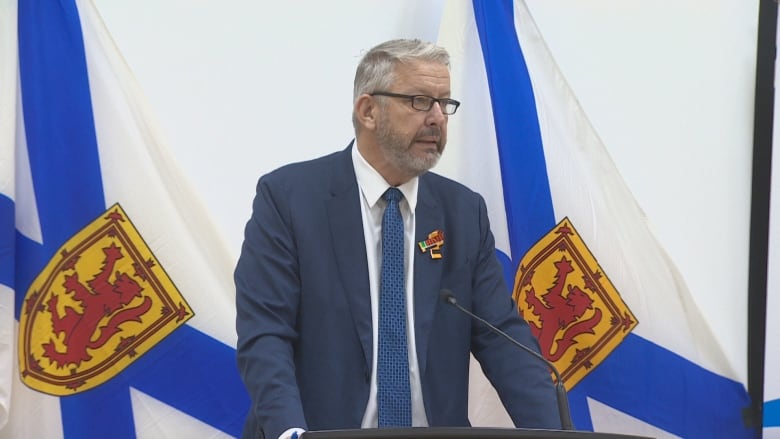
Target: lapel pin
[[434, 243]]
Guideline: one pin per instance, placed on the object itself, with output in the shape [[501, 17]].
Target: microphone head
[[447, 296]]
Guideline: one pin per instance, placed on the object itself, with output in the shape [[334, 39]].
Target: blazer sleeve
[[267, 298]]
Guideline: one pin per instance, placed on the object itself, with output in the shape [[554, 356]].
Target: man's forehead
[[422, 72]]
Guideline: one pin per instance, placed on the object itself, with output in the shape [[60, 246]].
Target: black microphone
[[560, 390]]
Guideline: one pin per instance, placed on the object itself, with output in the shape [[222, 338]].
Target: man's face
[[411, 140]]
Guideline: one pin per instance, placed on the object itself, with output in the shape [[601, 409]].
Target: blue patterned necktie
[[393, 395]]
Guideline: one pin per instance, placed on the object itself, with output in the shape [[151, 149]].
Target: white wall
[[243, 86]]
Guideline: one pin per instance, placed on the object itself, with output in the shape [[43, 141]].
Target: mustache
[[430, 132]]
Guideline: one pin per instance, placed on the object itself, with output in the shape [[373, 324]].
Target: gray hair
[[376, 70]]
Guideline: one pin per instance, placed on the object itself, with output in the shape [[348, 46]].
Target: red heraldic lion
[[572, 307], [100, 302]]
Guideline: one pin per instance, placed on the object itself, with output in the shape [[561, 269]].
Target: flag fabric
[[522, 140], [7, 104], [116, 293]]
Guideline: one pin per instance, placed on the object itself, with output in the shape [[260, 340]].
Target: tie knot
[[392, 194]]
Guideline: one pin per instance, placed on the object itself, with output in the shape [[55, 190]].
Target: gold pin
[[434, 242]]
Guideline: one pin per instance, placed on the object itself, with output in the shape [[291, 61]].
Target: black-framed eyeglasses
[[424, 103]]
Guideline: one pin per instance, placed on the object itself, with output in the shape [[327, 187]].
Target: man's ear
[[366, 111]]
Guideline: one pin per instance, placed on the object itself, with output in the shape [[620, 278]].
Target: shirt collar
[[373, 185]]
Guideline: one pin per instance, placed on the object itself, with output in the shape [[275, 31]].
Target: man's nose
[[435, 115]]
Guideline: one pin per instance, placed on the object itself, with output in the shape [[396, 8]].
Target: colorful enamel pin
[[434, 243]]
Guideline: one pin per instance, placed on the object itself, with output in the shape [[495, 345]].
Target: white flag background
[[241, 87], [525, 142], [77, 137]]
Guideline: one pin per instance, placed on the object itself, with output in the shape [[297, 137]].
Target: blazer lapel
[[346, 226], [427, 270]]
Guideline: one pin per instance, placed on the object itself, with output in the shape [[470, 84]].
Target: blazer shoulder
[[310, 175], [311, 167], [445, 188]]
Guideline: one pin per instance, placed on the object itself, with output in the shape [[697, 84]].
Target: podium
[[461, 433]]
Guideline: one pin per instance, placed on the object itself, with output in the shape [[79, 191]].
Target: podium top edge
[[462, 433]]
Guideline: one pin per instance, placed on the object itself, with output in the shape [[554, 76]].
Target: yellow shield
[[572, 307], [101, 302]]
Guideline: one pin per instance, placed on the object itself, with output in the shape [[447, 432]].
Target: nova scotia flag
[[522, 141], [76, 144]]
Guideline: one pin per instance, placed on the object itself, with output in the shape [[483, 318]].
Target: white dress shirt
[[372, 185], [372, 206]]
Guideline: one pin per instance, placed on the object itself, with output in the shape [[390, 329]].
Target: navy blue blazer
[[304, 315]]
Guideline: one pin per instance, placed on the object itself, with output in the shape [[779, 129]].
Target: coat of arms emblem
[[99, 303], [573, 308]]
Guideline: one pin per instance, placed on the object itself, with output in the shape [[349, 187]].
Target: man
[[312, 278]]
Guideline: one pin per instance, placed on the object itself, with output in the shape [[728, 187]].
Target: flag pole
[[759, 210]]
